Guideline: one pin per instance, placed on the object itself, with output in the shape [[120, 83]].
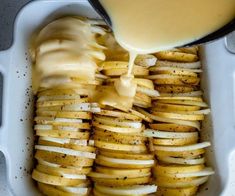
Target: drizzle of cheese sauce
[[150, 26]]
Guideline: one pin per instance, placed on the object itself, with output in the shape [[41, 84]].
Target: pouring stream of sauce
[[150, 26]]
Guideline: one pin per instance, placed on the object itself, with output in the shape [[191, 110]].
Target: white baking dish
[[16, 133]]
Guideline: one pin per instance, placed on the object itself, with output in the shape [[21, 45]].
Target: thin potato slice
[[58, 97], [176, 56], [189, 191], [190, 94], [123, 163], [68, 145], [128, 190], [122, 181], [107, 65], [119, 138], [164, 107], [197, 99], [169, 134], [117, 129], [167, 79], [55, 180], [50, 190], [171, 88], [182, 102], [66, 151], [144, 83], [180, 182], [111, 176], [97, 193], [63, 159], [122, 172], [60, 170], [52, 171], [145, 117], [53, 121], [161, 170], [118, 122], [191, 50], [120, 147], [191, 117], [61, 102], [194, 124], [175, 71], [172, 127], [182, 161], [65, 91], [119, 114], [186, 154], [175, 141], [186, 65], [63, 134], [120, 155], [61, 114], [143, 97]]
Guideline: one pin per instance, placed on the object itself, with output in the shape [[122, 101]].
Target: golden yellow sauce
[[108, 96], [147, 26]]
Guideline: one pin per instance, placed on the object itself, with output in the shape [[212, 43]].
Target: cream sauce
[[66, 47], [150, 26], [126, 85], [155, 25]]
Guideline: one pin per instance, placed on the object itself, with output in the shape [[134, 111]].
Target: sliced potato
[[123, 181], [189, 191], [119, 138], [120, 147], [186, 154], [176, 56], [123, 172], [186, 65], [175, 71], [172, 127], [183, 102], [63, 134], [167, 79], [164, 107], [55, 180], [175, 141], [119, 114], [180, 182], [171, 88], [123, 163], [127, 155], [191, 117], [117, 129], [50, 190], [63, 159]]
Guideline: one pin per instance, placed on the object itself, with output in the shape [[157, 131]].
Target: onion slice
[[127, 190]]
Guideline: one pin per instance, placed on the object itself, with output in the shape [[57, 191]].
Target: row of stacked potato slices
[[154, 148]]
